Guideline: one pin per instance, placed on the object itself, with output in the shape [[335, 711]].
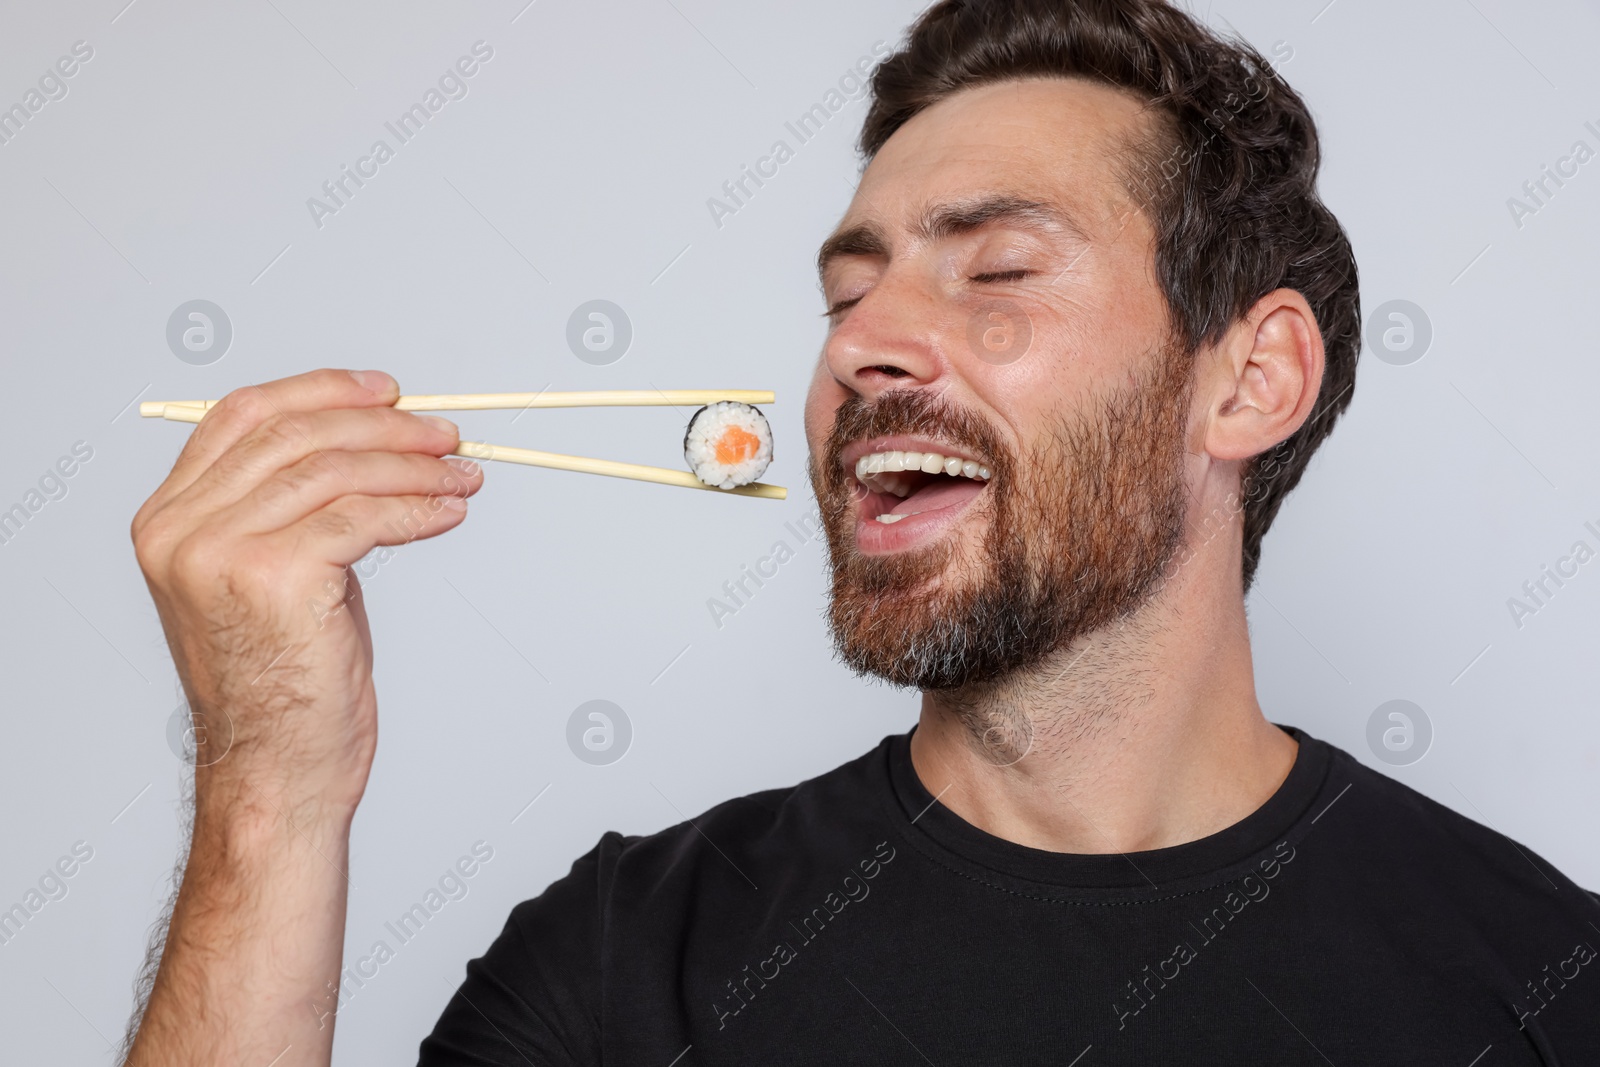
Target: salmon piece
[[736, 445]]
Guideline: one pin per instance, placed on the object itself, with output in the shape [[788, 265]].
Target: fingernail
[[455, 503], [442, 425], [466, 466], [373, 380]]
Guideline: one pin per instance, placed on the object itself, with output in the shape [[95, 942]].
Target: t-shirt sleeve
[[534, 996]]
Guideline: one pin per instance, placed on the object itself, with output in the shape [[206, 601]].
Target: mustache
[[912, 411]]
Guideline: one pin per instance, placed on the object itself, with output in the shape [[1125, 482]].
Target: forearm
[[250, 969]]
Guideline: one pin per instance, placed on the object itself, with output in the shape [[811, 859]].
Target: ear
[[1265, 377]]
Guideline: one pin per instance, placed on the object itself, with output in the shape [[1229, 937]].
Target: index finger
[[246, 408]]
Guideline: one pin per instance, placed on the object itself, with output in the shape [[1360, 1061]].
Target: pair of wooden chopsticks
[[195, 410]]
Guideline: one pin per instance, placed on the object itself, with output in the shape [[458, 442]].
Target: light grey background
[[578, 167]]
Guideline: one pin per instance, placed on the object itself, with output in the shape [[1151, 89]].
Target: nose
[[890, 339]]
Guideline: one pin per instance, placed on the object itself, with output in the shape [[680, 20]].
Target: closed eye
[[985, 278]]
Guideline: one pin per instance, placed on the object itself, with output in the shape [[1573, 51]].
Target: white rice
[[707, 425]]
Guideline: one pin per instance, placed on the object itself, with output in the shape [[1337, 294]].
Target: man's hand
[[247, 548]]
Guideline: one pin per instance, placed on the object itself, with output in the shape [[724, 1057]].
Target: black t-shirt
[[852, 919]]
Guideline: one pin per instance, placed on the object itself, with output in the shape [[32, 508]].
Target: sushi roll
[[728, 444]]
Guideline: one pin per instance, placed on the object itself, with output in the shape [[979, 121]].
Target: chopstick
[[192, 412], [584, 465], [153, 409]]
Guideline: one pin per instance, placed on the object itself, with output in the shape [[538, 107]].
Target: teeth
[[879, 467], [898, 484], [887, 519]]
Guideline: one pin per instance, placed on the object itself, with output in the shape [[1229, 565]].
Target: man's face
[[995, 302]]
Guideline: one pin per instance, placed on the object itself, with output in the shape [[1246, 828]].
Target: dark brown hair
[[1228, 179]]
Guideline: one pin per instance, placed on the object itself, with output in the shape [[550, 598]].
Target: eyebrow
[[950, 220]]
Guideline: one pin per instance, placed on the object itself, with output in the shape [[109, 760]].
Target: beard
[[1078, 530]]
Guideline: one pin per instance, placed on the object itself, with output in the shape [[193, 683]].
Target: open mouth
[[908, 496]]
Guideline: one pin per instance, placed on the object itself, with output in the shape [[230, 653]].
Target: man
[[1087, 263]]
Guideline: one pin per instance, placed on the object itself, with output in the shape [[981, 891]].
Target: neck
[[1144, 735]]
